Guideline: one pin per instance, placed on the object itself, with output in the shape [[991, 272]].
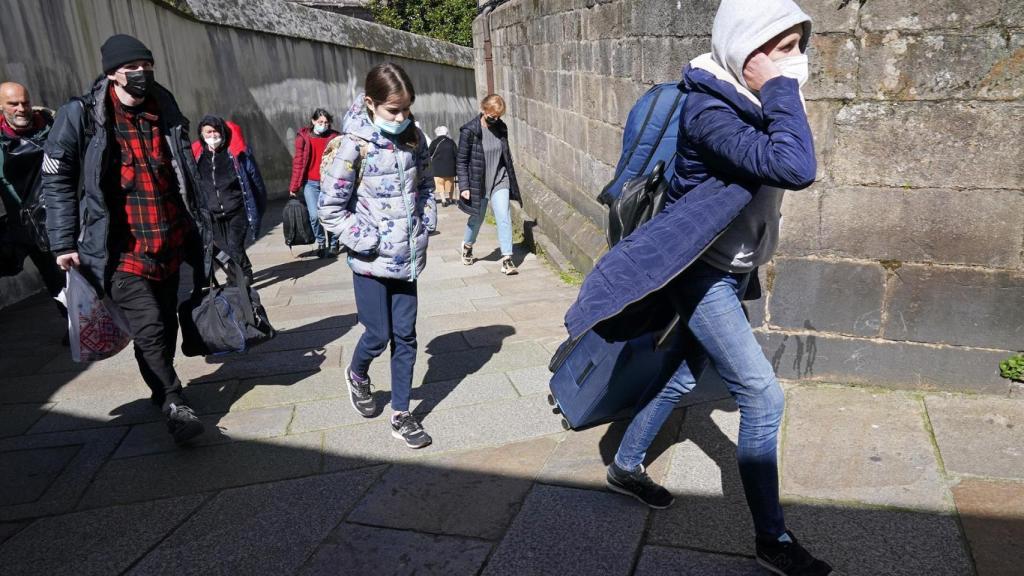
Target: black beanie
[[121, 49]]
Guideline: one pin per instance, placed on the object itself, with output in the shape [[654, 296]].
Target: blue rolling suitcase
[[595, 381]]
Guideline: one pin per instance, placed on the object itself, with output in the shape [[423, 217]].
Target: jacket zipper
[[213, 174], [408, 214]]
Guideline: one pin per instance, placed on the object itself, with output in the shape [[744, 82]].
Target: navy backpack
[[646, 166]]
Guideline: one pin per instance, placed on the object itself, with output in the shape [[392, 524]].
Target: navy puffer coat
[[728, 148], [471, 169]]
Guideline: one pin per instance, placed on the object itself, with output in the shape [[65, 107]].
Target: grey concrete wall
[[903, 266], [265, 64]]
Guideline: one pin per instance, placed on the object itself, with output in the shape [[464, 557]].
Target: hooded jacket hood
[[743, 26], [357, 122]]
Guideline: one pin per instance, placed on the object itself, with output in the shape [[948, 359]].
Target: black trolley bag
[[596, 380]]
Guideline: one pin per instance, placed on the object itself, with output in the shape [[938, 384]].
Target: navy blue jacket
[[728, 148]]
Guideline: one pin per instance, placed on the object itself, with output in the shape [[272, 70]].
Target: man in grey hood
[[743, 125]]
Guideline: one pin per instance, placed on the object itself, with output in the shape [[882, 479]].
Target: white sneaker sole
[[402, 438]]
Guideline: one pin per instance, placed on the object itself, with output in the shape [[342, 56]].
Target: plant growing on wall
[[448, 20], [1013, 368]]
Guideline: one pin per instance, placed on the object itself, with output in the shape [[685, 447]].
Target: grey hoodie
[[740, 28]]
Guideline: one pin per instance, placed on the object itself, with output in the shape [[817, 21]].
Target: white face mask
[[213, 142], [796, 67]]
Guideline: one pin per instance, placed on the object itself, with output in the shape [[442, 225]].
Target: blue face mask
[[390, 126]]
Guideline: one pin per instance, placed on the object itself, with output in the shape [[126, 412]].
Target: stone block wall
[[266, 64], [903, 266]]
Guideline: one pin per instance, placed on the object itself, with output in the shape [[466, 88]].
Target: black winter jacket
[[442, 153], [78, 156], [470, 164]]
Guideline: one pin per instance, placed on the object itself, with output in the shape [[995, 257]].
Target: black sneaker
[[360, 394], [182, 423], [638, 485], [790, 559], [335, 250], [508, 267], [467, 254], [321, 251], [406, 427]]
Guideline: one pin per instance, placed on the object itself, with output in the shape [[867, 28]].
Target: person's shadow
[[449, 362]]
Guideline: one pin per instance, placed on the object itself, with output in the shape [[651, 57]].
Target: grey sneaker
[[467, 254], [182, 423], [508, 267], [638, 485], [405, 426], [360, 394]]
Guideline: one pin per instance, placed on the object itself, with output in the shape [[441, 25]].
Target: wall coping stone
[[297, 21]]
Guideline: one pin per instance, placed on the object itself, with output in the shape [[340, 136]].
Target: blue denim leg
[[473, 225], [403, 341], [503, 217], [311, 193], [710, 298]]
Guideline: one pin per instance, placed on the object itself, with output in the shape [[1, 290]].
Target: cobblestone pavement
[[289, 479]]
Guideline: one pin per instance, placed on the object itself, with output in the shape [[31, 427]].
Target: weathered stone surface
[[979, 436], [557, 532], [904, 225], [827, 296], [890, 364], [26, 474], [992, 514], [834, 62], [829, 17], [887, 457], [964, 307], [710, 511], [15, 419], [970, 136], [472, 494], [670, 18], [662, 561], [284, 521], [94, 542], [665, 56], [939, 66], [366, 550], [911, 15], [866, 541]]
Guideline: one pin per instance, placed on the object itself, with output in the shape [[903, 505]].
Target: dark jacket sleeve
[[60, 177], [462, 159], [780, 155], [433, 147], [259, 188], [298, 165]]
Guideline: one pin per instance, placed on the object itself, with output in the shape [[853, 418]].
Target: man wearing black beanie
[[141, 213]]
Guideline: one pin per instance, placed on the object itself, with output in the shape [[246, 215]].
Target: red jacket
[[303, 156]]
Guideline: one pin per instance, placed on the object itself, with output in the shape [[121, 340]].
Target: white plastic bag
[[97, 328]]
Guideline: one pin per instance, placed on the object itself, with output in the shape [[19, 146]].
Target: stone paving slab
[[97, 542], [662, 561], [267, 529], [473, 494], [16, 419], [458, 365], [710, 512], [220, 428], [466, 428], [245, 366], [982, 436], [570, 532], [25, 475], [369, 551], [64, 485], [992, 516], [870, 542], [887, 455], [280, 389], [531, 381], [204, 469]]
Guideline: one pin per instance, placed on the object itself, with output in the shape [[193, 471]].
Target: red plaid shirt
[[154, 217]]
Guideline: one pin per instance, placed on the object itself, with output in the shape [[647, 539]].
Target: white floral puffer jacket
[[385, 218]]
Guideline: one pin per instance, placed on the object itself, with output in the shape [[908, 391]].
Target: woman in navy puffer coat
[[744, 138]]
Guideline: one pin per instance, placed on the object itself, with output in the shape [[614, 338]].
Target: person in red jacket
[[310, 143]]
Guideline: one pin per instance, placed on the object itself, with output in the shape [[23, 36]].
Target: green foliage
[[1013, 368], [572, 276], [448, 20]]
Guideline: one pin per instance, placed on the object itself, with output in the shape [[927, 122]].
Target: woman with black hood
[[231, 183]]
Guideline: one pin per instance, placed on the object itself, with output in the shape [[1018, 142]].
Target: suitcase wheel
[[565, 424], [551, 400]]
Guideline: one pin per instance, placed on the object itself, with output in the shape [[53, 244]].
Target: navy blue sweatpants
[[387, 311]]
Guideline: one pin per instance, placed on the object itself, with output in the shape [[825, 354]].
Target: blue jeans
[[311, 192], [499, 204], [387, 311], [709, 300]]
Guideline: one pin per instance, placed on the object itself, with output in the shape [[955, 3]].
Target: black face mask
[[137, 82], [490, 121]]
